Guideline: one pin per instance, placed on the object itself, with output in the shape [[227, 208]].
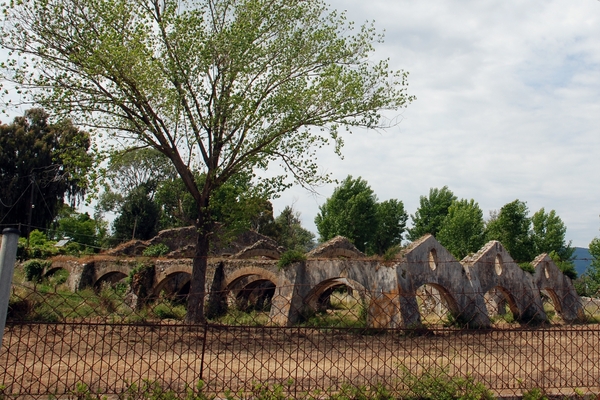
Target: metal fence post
[[8, 256]]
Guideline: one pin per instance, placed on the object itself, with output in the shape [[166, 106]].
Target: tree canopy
[[526, 237], [462, 230], [218, 86], [41, 165], [431, 212], [354, 212]]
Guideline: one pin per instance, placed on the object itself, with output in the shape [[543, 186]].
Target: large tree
[[431, 212], [41, 163], [351, 211], [511, 227], [218, 86], [526, 237], [354, 212], [462, 230]]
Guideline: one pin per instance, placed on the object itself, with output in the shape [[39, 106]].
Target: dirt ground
[[39, 359]]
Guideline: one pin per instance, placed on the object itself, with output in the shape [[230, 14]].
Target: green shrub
[[156, 250], [290, 257], [391, 253], [534, 394], [34, 269], [437, 384], [527, 267], [167, 310]]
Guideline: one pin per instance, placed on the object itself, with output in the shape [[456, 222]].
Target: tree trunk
[[195, 302]]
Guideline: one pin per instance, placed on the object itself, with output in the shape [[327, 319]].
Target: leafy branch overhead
[[220, 87]]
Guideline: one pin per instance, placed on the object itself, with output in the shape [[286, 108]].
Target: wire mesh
[[108, 340]]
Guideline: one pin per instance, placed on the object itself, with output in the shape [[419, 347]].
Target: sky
[[508, 107]]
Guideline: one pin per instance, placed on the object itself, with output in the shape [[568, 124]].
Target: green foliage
[[352, 211], [524, 238], [289, 232], [53, 159], [534, 394], [39, 246], [289, 257], [138, 215], [165, 309], [222, 87], [431, 213], [511, 227], [390, 217], [437, 384], [86, 233], [589, 283], [34, 269], [462, 230], [391, 253], [527, 267], [156, 250]]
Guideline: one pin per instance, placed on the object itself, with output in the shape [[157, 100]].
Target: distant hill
[[583, 259]]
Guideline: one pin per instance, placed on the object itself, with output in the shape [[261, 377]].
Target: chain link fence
[[57, 340]]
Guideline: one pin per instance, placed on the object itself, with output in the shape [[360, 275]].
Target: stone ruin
[[423, 276]]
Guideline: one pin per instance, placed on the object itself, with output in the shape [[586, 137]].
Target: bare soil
[[39, 359]]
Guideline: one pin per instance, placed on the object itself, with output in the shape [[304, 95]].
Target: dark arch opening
[[336, 302], [111, 279], [501, 306], [175, 287], [251, 293], [436, 305]]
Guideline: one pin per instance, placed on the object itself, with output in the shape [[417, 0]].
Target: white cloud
[[508, 107]]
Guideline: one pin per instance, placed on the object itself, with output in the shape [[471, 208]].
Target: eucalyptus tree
[[220, 87]]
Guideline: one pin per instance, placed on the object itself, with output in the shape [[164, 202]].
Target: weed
[[290, 257], [534, 394], [34, 269], [156, 250]]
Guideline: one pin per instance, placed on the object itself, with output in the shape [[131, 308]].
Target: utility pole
[[8, 256], [31, 206]]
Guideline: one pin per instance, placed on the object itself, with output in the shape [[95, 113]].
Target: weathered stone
[[495, 269], [388, 290], [559, 287], [339, 246]]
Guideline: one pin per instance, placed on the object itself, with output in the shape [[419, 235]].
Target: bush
[[437, 384], [34, 269], [290, 257], [156, 250]]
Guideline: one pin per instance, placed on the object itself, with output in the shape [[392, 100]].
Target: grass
[[433, 384], [346, 311]]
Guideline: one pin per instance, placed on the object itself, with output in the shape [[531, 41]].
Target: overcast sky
[[508, 107]]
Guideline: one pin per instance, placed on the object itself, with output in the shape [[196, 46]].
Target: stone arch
[[495, 269], [427, 266], [54, 269], [550, 280], [315, 298], [176, 284], [496, 300], [110, 277], [110, 272], [248, 271], [249, 288]]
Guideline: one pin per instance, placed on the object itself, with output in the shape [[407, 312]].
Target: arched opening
[[436, 305], [501, 306], [175, 287], [552, 305], [336, 302], [111, 279], [251, 293], [56, 276]]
